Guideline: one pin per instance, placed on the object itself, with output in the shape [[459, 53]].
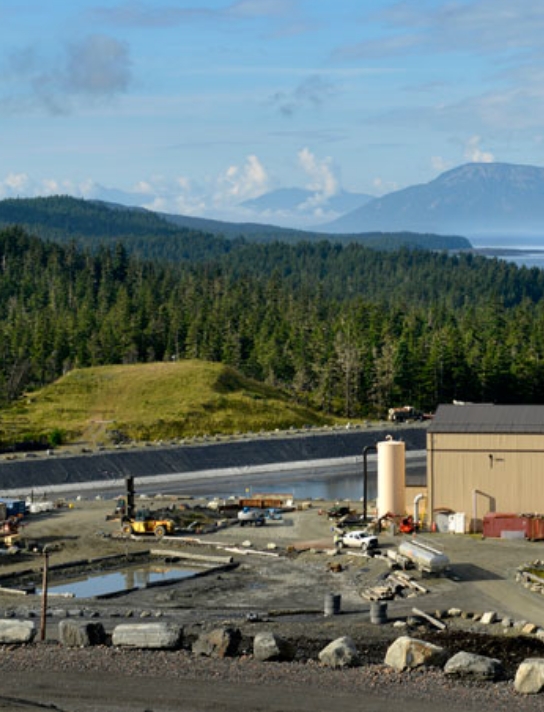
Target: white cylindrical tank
[[391, 477]]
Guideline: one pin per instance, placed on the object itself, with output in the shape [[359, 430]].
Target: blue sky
[[194, 106]]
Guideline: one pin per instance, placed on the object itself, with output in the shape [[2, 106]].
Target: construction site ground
[[284, 574]]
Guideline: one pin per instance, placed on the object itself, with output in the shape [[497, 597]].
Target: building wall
[[507, 470], [410, 494]]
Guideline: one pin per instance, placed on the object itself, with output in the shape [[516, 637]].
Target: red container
[[497, 522], [535, 528]]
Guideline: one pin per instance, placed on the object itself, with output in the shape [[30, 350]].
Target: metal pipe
[[417, 500], [366, 450]]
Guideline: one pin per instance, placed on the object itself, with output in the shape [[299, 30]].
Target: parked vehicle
[[142, 521], [337, 511], [407, 412], [359, 540], [251, 516], [146, 522], [273, 514]]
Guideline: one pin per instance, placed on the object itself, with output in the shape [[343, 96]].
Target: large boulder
[[218, 643], [529, 678], [474, 666], [75, 634], [14, 631], [147, 635], [406, 652], [269, 646], [340, 653]]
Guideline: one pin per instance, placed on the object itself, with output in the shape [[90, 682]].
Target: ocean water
[[532, 248]]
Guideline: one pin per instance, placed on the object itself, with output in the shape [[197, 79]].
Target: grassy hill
[[155, 401]]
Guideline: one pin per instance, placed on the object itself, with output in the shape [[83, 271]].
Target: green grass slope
[[151, 402]]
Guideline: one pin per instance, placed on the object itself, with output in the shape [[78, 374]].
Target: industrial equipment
[[143, 521], [407, 412], [251, 516], [424, 557]]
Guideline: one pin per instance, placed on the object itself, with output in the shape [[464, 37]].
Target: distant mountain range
[[289, 200], [477, 199]]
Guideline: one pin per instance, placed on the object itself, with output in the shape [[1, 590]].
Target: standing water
[[120, 581]]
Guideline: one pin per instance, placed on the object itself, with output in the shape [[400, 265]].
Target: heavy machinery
[[247, 515], [142, 521], [407, 412]]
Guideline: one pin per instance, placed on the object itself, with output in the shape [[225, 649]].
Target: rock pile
[[404, 654]]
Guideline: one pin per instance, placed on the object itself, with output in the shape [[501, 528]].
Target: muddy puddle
[[110, 583]]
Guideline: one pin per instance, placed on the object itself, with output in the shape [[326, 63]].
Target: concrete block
[[488, 618], [14, 631], [147, 635]]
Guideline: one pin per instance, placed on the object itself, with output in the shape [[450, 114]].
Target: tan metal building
[[486, 458]]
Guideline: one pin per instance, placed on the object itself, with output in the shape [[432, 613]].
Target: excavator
[[141, 521]]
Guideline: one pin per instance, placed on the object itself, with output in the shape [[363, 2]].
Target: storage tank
[[423, 556], [391, 476]]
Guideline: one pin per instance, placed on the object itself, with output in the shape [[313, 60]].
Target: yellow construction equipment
[[143, 521]]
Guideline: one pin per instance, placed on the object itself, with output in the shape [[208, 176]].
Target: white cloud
[[239, 183], [15, 182], [474, 153], [144, 187], [220, 197], [322, 178], [382, 186], [20, 185], [440, 164]]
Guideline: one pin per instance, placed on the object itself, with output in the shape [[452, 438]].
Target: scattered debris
[[398, 584]]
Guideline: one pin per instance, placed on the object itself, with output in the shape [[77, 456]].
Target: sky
[[195, 106]]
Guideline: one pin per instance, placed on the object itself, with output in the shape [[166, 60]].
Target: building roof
[[488, 418]]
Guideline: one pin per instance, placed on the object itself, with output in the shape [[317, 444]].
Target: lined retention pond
[[120, 581]]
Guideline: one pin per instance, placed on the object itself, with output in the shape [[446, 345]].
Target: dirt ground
[[286, 564], [283, 574]]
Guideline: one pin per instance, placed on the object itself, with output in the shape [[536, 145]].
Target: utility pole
[[44, 592], [366, 450]]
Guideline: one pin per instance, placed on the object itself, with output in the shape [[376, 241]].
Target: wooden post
[[44, 593]]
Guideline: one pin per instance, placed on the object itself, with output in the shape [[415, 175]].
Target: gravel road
[[106, 680]]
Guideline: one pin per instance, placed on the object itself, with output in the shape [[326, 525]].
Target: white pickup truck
[[358, 540]]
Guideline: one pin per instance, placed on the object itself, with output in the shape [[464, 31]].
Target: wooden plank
[[411, 582], [434, 621]]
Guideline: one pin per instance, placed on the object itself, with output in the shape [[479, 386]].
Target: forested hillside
[[343, 328], [152, 235]]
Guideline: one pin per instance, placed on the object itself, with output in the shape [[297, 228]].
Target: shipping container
[[495, 523], [535, 528]]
